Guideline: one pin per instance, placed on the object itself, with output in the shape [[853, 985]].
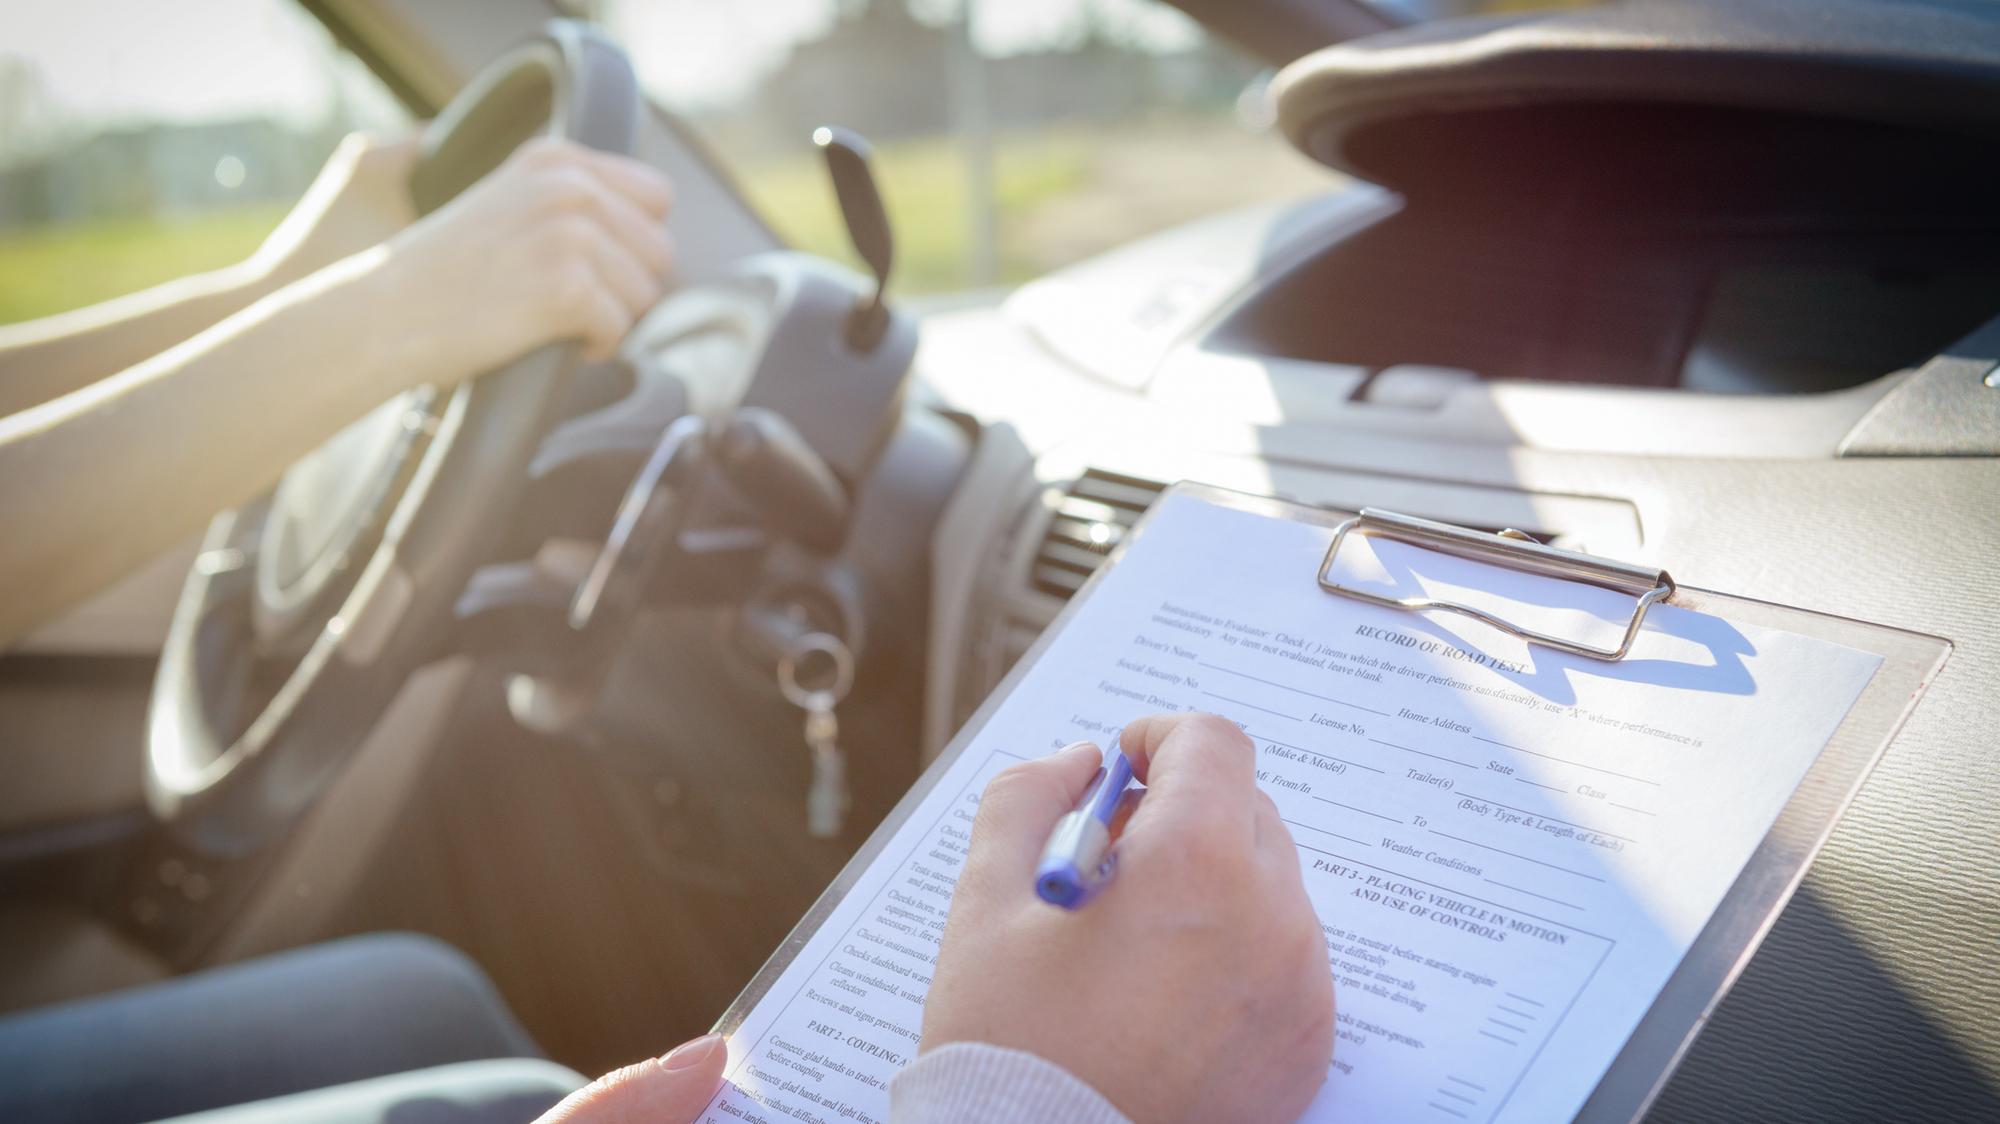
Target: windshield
[[1035, 134], [139, 143]]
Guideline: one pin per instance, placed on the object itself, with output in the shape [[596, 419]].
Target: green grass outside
[[58, 268], [924, 186], [1062, 193]]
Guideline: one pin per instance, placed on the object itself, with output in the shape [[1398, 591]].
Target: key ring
[[811, 643]]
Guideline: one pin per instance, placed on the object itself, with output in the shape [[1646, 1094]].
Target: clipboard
[[1746, 912]]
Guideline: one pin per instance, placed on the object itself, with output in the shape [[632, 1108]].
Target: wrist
[[981, 1083], [364, 299], [284, 257], [265, 268], [395, 317]]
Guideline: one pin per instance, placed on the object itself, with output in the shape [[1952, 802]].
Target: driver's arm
[[360, 198], [559, 243]]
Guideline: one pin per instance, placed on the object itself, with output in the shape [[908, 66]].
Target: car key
[[826, 798]]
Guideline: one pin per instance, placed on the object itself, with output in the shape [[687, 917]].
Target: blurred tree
[[29, 117]]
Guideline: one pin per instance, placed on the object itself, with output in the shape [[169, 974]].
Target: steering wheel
[[306, 610]]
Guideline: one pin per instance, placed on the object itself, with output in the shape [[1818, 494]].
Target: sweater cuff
[[977, 1083]]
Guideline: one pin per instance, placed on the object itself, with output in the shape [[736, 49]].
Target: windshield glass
[[1036, 133], [1416, 11], [144, 142]]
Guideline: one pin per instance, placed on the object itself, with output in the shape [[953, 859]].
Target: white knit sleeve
[[974, 1083]]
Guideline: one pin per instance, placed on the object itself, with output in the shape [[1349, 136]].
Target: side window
[[143, 142]]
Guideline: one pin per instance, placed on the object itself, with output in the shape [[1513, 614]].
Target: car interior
[[528, 664]]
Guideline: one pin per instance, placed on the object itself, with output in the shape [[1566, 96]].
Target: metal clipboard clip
[[1511, 549]]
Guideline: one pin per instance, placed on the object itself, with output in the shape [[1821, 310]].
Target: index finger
[[1199, 755], [1018, 810], [643, 184]]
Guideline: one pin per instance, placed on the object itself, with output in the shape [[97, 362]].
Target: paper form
[[1509, 849]]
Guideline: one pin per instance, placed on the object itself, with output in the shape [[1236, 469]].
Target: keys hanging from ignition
[[826, 798]]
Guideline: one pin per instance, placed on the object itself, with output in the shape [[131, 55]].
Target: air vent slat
[[1099, 547], [1057, 582], [1090, 534], [1092, 511], [1131, 497], [1094, 476], [1080, 559], [1089, 521]]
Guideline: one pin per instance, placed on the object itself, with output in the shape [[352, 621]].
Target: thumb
[[669, 1090], [1021, 806]]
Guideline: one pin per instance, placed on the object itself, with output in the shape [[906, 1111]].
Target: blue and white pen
[[1078, 860]]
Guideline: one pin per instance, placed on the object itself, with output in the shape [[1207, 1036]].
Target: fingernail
[[1074, 746], [687, 1055]]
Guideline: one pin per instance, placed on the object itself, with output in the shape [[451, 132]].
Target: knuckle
[[1143, 735], [1269, 818], [545, 197], [543, 150], [574, 286], [1014, 787], [1216, 730], [567, 189], [574, 232], [1010, 784], [657, 255], [658, 245]]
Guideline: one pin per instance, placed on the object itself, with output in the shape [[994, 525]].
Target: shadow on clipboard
[[1909, 661], [1547, 613]]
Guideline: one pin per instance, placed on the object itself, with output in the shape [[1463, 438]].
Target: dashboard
[[1834, 500], [1803, 408]]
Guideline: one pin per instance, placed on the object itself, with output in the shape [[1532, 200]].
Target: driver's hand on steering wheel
[[561, 242]]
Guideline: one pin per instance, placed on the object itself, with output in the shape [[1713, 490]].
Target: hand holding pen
[[1205, 925]]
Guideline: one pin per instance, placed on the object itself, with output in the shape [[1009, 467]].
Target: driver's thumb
[[669, 1090]]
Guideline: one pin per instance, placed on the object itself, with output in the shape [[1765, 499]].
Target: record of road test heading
[[1546, 805]]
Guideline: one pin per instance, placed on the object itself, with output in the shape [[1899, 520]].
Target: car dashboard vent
[[1089, 522]]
